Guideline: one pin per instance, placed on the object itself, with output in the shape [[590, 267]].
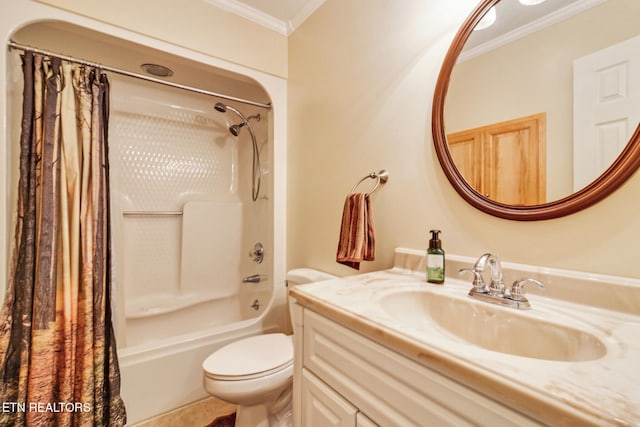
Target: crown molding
[[283, 27], [304, 13], [537, 25], [250, 13]]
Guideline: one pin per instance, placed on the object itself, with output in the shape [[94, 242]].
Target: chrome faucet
[[254, 278], [496, 286], [495, 292]]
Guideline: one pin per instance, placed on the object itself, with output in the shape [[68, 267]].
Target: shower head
[[235, 129]]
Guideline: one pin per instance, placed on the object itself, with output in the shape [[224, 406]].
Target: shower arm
[[256, 172]]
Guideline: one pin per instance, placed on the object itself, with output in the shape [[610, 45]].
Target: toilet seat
[[250, 358]]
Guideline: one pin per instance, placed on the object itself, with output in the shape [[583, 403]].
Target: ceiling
[[283, 16]]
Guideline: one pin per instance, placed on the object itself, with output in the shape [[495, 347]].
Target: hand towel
[[357, 241]]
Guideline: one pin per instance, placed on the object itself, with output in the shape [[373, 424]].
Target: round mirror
[[536, 115]]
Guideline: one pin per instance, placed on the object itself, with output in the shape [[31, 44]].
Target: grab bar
[[152, 213], [381, 178]]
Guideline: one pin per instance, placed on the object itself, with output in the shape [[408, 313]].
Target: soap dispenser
[[435, 259]]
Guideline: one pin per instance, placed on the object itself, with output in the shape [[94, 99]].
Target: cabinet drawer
[[323, 407], [390, 388]]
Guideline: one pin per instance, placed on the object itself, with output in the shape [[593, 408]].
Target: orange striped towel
[[357, 242]]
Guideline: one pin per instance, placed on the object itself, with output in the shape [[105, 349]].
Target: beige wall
[[361, 80], [194, 24]]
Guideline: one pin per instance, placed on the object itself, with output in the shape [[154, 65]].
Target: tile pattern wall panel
[[166, 148]]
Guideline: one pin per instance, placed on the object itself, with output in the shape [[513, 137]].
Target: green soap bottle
[[435, 259]]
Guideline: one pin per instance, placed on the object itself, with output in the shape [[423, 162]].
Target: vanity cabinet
[[342, 378], [322, 406]]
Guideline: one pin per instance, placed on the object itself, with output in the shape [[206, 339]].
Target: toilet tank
[[300, 276]]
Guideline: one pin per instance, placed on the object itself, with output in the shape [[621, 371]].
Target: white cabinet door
[[388, 387], [363, 421], [322, 406]]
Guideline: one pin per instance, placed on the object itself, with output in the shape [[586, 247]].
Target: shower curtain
[[58, 363]]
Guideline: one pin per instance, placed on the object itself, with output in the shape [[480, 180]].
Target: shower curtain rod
[[24, 48]]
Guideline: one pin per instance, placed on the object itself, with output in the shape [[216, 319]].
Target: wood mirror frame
[[613, 177]]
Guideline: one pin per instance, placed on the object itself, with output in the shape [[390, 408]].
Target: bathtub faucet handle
[[257, 253]]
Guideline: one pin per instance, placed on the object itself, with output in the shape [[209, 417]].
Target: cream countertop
[[599, 392]]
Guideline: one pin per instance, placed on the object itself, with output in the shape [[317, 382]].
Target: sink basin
[[491, 327]]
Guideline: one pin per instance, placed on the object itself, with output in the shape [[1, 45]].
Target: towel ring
[[380, 177]]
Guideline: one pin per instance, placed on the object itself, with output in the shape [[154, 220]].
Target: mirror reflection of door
[[606, 107], [512, 166]]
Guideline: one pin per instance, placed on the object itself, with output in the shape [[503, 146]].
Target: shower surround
[[182, 215], [183, 224]]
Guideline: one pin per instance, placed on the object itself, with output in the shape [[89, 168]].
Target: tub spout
[[254, 278]]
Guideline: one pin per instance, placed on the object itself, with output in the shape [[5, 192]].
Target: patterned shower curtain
[[58, 364]]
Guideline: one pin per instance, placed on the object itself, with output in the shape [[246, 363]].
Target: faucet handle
[[478, 283], [257, 254], [517, 293]]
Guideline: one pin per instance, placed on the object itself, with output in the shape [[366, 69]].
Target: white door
[[606, 107]]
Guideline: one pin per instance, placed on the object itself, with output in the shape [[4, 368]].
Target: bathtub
[[160, 375], [183, 225]]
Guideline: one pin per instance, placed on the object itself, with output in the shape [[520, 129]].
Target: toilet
[[256, 373]]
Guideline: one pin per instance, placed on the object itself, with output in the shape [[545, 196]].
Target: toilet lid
[[250, 357]]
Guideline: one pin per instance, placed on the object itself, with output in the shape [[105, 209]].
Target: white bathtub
[[163, 375]]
